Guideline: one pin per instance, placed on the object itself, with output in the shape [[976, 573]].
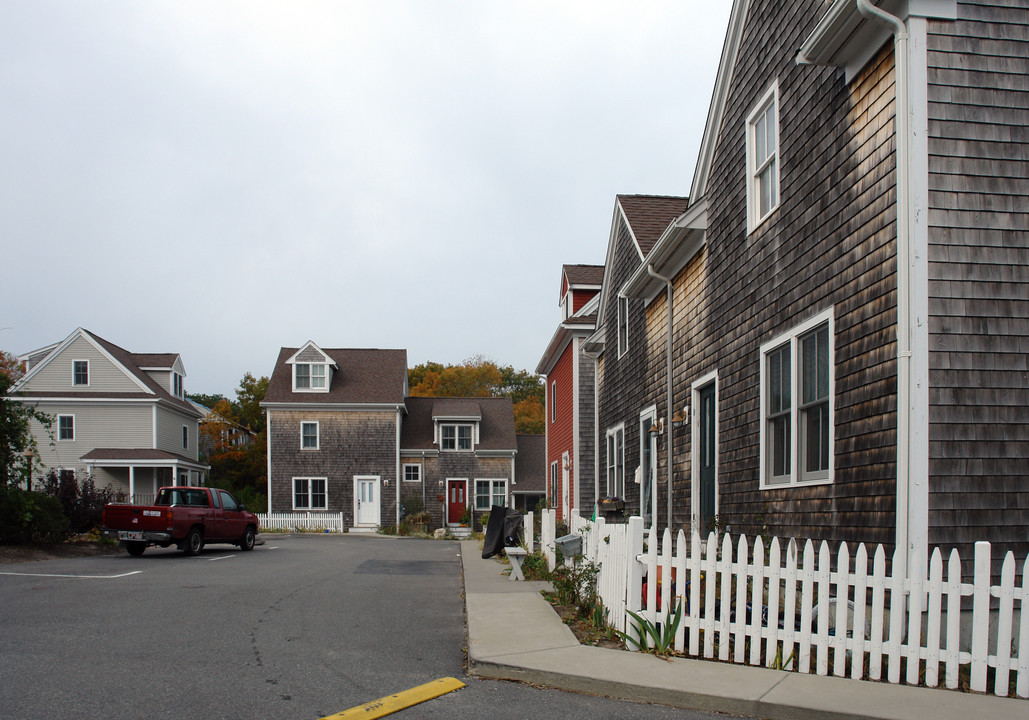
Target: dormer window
[[309, 376], [455, 437], [176, 385]]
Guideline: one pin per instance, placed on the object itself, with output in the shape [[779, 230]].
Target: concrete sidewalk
[[514, 634]]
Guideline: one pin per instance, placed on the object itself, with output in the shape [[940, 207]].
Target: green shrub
[[27, 517]]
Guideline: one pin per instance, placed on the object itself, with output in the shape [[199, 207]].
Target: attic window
[[309, 376], [455, 437], [176, 385], [763, 158]]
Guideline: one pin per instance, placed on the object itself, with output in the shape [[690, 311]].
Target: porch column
[[132, 484]]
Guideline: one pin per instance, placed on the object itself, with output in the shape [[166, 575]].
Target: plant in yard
[[657, 638], [534, 567]]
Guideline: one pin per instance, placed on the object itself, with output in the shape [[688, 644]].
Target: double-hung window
[[553, 401], [553, 483], [310, 494], [455, 437], [176, 385], [763, 158], [309, 435], [796, 405], [185, 437], [80, 372], [65, 427], [616, 462], [489, 493], [309, 376]]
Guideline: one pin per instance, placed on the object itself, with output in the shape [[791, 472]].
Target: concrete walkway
[[514, 634]]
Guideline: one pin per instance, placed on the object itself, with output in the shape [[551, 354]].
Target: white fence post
[[527, 530]]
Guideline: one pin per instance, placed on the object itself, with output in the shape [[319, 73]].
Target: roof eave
[[677, 245]]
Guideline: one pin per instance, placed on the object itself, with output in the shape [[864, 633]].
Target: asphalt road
[[303, 627]]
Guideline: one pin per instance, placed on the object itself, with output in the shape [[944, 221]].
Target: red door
[[456, 500]]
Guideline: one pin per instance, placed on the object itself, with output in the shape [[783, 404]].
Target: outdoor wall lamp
[[385, 483], [679, 419], [441, 483], [658, 428]]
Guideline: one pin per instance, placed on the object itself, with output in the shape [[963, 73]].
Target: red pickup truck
[[187, 517]]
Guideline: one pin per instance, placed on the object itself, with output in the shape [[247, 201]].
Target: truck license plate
[[130, 534]]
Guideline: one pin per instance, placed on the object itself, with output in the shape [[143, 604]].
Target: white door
[[366, 501]]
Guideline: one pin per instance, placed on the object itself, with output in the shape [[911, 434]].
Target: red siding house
[[569, 384]]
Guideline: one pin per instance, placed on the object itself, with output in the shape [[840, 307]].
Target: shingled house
[[626, 409], [344, 437], [848, 283]]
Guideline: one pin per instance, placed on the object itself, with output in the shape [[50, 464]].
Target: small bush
[[534, 566], [83, 504], [30, 517]]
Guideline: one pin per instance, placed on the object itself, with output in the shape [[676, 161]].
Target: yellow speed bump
[[399, 701]]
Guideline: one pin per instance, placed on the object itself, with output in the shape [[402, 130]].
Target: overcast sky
[[221, 179]]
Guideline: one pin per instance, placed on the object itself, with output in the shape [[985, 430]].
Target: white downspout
[[668, 377], [398, 479], [904, 231]]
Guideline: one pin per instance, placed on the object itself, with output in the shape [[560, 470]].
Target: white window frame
[[553, 401], [650, 414], [615, 462], [493, 495], [317, 435], [177, 384], [772, 160], [554, 475], [417, 467], [74, 363], [310, 494], [311, 377], [457, 437], [623, 324], [60, 429], [795, 476]]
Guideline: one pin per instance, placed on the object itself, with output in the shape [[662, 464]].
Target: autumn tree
[[239, 468], [480, 377]]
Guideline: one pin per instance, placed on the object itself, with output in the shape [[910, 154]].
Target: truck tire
[[194, 541], [135, 548], [248, 540]]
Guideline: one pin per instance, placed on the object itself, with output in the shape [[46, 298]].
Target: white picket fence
[[331, 522], [791, 607]]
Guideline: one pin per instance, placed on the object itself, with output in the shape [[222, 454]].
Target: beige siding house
[[119, 416]]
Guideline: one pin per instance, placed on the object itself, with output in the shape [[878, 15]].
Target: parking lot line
[[399, 701], [77, 577]]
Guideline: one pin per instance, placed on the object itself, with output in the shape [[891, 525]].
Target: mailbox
[[569, 545]]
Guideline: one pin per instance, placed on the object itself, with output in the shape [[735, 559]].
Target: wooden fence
[[790, 606], [330, 522]]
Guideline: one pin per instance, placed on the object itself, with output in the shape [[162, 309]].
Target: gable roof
[[496, 427], [647, 216], [583, 275], [365, 376], [127, 362]]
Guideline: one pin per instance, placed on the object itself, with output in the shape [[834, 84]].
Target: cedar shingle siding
[[830, 244], [978, 269], [350, 443]]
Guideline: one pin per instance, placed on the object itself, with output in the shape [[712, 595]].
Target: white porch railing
[[792, 607], [331, 522]]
